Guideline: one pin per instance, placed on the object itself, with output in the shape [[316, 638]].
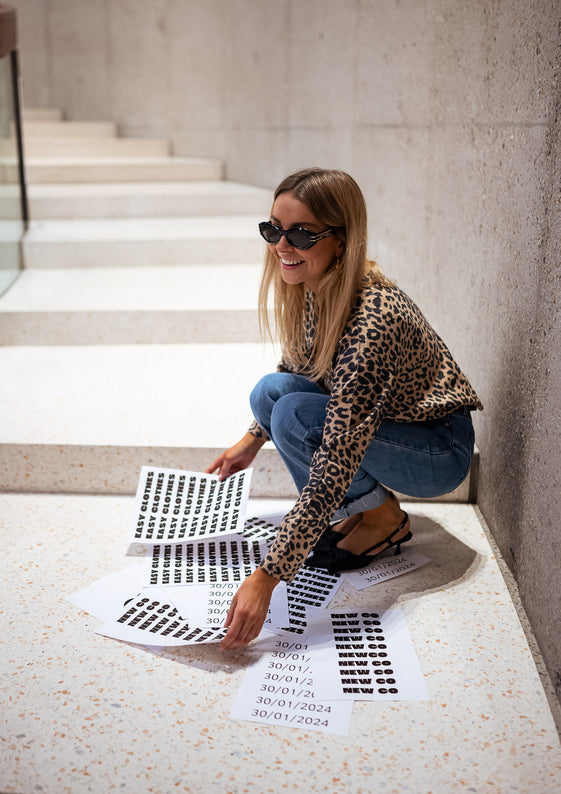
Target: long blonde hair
[[336, 200]]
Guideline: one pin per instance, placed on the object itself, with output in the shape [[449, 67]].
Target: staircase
[[131, 337]]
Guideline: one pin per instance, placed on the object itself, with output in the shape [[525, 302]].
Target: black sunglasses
[[297, 238]]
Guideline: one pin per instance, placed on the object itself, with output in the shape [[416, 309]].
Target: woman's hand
[[236, 458], [248, 610]]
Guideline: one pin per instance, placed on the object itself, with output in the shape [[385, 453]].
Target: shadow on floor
[[450, 562]]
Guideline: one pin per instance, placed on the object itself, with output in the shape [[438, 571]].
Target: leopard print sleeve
[[361, 385]]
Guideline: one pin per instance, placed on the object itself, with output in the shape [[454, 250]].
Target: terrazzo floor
[[84, 713]]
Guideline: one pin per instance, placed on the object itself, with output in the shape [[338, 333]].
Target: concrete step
[[85, 419], [144, 199], [10, 204], [135, 200], [114, 169], [141, 242], [92, 147], [67, 129], [41, 114], [138, 305]]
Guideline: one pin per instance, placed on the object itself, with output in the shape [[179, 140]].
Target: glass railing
[[13, 200]]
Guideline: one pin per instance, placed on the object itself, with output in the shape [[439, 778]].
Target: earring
[[337, 262]]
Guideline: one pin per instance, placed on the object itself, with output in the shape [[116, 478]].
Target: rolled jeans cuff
[[369, 501]]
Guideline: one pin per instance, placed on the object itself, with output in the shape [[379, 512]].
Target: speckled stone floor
[[84, 713]]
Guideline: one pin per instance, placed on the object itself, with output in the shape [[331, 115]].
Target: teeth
[[291, 261]]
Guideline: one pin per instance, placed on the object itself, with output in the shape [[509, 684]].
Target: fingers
[[220, 466], [242, 627], [248, 610], [230, 615], [241, 630], [237, 457], [224, 465]]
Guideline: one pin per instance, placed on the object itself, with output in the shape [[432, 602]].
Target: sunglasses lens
[[299, 238], [269, 232]]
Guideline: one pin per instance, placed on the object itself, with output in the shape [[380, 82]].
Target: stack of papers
[[198, 547]]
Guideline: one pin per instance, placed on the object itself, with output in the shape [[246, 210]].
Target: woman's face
[[297, 266]]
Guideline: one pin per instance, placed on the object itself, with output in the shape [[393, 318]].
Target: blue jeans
[[418, 459]]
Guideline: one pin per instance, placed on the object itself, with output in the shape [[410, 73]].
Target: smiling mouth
[[291, 263]]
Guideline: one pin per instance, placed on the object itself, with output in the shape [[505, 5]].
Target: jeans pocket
[[441, 437]]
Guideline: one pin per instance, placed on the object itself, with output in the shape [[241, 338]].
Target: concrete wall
[[447, 114]]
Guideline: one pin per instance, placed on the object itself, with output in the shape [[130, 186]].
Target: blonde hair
[[336, 200]]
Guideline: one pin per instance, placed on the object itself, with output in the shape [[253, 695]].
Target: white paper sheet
[[278, 615], [311, 587], [262, 527], [106, 597], [198, 604], [279, 690], [386, 568], [150, 621], [205, 562], [173, 506], [208, 605], [364, 655]]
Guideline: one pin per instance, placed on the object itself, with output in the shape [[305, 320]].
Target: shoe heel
[[403, 540]]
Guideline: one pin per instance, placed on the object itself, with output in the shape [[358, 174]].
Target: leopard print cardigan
[[389, 364]]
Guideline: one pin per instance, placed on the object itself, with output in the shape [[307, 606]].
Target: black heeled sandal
[[335, 559], [327, 540], [330, 537]]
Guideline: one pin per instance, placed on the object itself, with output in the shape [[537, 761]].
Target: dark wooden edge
[[8, 30]]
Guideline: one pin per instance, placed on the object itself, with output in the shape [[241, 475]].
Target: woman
[[366, 393]]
